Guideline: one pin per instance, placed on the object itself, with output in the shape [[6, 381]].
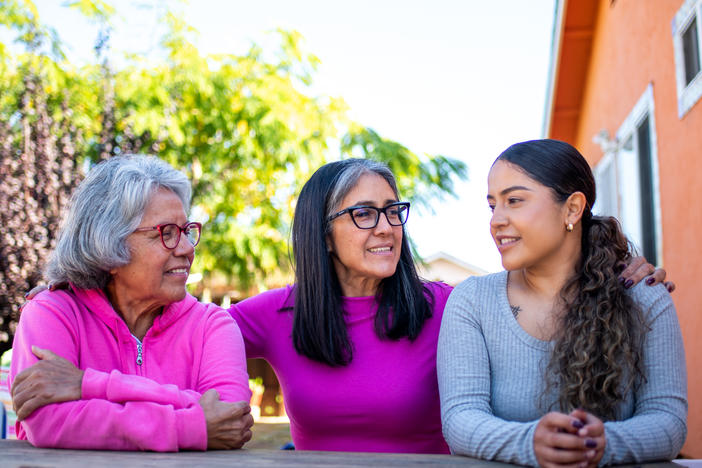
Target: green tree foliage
[[43, 119], [418, 180], [245, 128]]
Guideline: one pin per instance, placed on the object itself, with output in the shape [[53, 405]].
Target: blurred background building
[[441, 266]]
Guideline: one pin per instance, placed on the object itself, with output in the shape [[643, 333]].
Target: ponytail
[[598, 356]]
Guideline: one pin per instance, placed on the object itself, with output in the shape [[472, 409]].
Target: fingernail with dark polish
[[577, 424], [621, 280], [649, 281], [628, 284], [589, 443], [670, 290]]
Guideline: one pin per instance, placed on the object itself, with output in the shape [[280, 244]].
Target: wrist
[[80, 384]]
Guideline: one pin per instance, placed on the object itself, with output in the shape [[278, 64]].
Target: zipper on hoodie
[[139, 359]]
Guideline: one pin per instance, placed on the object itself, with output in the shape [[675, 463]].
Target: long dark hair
[[597, 356], [319, 328]]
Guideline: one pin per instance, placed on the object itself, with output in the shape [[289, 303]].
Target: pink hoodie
[[131, 399]]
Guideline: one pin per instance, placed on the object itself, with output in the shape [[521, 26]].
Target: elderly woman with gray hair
[[144, 365]]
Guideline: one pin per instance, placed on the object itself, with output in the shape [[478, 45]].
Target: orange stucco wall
[[632, 47]]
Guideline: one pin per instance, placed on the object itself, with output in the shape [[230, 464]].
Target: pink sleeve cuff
[[191, 428], [94, 385]]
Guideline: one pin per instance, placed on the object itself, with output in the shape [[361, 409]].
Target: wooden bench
[[16, 454]]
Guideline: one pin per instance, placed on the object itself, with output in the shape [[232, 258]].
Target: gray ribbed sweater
[[491, 377]]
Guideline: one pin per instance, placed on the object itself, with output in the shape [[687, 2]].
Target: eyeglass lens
[[170, 233], [367, 217]]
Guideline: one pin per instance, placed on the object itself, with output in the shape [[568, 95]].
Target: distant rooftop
[[444, 267]]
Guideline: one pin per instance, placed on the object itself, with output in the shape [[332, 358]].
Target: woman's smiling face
[[527, 222], [155, 274], [364, 257]]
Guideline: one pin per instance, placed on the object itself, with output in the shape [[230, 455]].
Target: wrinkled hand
[[639, 269], [557, 443], [593, 429], [51, 380], [228, 424]]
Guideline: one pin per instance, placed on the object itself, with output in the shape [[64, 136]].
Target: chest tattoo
[[515, 310]]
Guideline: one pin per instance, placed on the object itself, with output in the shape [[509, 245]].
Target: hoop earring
[[569, 227]]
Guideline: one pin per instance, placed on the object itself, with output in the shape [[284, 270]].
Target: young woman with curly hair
[[554, 362]]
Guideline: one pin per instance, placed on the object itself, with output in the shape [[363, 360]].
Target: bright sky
[[462, 78]]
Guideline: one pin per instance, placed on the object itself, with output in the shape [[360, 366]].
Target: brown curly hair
[[597, 356], [598, 346]]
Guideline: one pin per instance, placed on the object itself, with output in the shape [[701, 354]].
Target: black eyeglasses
[[170, 233], [367, 217]]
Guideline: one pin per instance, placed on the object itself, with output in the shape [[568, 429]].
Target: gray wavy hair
[[106, 207]]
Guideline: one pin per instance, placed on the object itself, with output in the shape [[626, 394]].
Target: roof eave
[[556, 43]]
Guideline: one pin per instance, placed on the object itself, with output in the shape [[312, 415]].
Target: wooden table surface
[[15, 453]]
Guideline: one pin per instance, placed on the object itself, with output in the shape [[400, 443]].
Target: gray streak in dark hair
[[349, 177]]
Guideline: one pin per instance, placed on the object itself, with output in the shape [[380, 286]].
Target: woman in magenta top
[[384, 400], [354, 341]]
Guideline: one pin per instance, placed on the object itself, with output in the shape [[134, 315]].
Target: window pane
[[691, 51], [629, 191], [648, 215]]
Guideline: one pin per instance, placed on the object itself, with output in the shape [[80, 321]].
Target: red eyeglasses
[[170, 233]]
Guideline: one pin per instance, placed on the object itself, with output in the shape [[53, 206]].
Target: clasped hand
[[574, 440], [228, 424]]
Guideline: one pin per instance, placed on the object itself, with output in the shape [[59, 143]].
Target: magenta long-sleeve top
[[135, 396], [385, 400]]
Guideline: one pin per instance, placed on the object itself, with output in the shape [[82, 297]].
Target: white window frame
[[688, 94], [644, 108], [608, 162]]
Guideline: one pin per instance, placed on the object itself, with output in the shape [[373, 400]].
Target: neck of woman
[[547, 278], [356, 285], [137, 315], [535, 295]]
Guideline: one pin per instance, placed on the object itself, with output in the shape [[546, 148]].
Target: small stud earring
[[569, 227]]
